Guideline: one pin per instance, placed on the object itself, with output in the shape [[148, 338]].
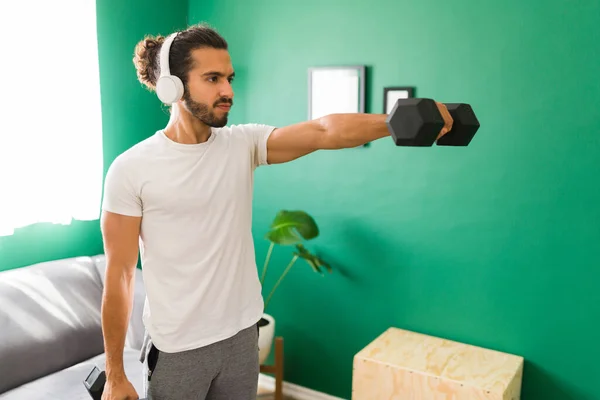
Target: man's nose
[[227, 91]]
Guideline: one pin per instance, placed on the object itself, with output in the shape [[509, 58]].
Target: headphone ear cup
[[169, 89]]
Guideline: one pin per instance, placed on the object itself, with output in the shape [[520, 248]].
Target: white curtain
[[51, 164]]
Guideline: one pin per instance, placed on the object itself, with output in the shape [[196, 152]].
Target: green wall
[[495, 244], [129, 115]]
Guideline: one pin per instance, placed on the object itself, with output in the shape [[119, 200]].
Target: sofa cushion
[[68, 383], [49, 319]]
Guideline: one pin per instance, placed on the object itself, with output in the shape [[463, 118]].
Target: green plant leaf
[[315, 262], [290, 227]]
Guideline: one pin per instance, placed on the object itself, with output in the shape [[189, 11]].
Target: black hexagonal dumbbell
[[464, 127], [94, 383], [418, 122]]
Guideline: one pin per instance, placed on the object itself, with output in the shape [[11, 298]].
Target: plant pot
[[266, 333]]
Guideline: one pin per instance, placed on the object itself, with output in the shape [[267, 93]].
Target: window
[[51, 165]]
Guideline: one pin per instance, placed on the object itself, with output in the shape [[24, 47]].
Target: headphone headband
[[165, 69], [169, 88]]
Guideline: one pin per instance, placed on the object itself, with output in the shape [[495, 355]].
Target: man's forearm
[[352, 130], [116, 311]]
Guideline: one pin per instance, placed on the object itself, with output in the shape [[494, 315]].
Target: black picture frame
[[392, 93]]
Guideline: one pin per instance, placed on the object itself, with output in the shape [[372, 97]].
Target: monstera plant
[[292, 228], [289, 228]]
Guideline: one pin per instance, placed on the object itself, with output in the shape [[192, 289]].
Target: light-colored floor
[[264, 394], [271, 397]]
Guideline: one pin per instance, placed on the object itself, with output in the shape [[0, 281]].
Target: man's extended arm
[[334, 131], [120, 234]]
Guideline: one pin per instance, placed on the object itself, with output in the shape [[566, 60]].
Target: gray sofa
[[50, 329]]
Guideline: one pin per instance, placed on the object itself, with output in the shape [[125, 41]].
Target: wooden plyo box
[[404, 365]]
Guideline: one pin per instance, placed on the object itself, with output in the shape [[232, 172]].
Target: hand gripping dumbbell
[[94, 383], [418, 122]]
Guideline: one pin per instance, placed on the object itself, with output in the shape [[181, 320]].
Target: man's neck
[[185, 128]]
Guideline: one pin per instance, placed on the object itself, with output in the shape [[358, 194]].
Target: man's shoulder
[[241, 129], [137, 153], [249, 133]]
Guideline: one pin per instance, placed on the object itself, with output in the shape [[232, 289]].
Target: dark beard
[[201, 111]]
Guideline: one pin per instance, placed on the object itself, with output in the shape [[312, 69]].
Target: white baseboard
[[297, 392]]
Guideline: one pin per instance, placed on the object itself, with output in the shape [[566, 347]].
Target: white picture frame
[[336, 89]]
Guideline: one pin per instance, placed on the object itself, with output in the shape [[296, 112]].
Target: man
[[184, 196]]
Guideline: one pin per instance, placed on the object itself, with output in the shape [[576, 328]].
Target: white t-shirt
[[196, 245]]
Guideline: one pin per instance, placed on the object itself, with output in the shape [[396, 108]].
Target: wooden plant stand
[[276, 368]]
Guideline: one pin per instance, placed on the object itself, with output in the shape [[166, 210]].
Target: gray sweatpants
[[226, 370]]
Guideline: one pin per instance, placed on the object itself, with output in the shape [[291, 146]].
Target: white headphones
[[169, 88]]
